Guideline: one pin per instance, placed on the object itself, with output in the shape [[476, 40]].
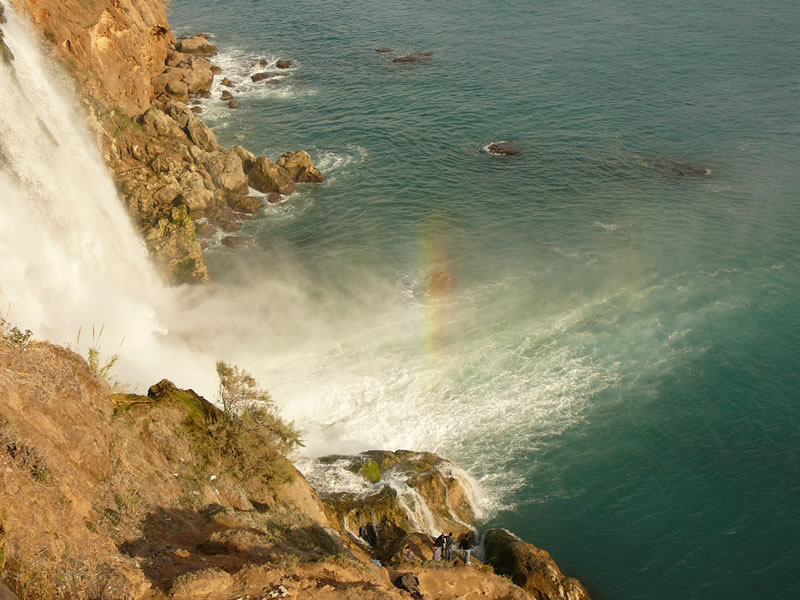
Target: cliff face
[[181, 187], [112, 47]]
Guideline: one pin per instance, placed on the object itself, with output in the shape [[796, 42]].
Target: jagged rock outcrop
[[197, 46], [410, 492], [300, 166], [113, 48], [530, 567]]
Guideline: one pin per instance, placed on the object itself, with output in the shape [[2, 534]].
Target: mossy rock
[[371, 471]]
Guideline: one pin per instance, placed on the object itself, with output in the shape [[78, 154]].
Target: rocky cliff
[[181, 187], [108, 495]]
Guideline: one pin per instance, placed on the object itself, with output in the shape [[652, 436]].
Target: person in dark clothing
[[467, 544], [438, 547], [448, 547]]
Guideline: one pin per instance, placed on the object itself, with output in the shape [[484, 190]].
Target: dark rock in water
[[530, 567], [263, 62], [680, 169], [206, 230], [204, 94], [232, 241], [283, 64], [226, 95], [383, 50], [197, 110], [413, 57], [274, 198], [503, 149], [702, 172], [246, 204], [226, 82], [233, 103], [216, 70], [262, 76]]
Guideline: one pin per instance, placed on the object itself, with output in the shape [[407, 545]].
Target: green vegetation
[[371, 471], [121, 122], [11, 334], [251, 438]]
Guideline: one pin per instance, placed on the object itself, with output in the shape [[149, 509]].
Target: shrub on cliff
[[251, 437]]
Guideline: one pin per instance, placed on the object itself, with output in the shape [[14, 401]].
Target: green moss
[[371, 471]]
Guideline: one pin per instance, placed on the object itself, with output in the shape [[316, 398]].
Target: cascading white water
[[70, 259]]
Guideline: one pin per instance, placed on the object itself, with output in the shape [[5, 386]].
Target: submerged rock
[[283, 64], [529, 567], [503, 149], [383, 50], [262, 76], [413, 57]]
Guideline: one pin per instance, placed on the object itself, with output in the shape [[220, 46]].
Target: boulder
[[197, 46], [300, 167], [530, 567], [179, 112], [226, 82], [274, 198], [159, 123], [503, 149], [283, 64], [233, 103], [266, 176], [226, 171], [177, 90], [201, 134], [195, 194], [262, 76], [206, 230], [216, 69], [197, 74], [248, 158], [246, 204], [226, 95], [197, 110], [232, 241]]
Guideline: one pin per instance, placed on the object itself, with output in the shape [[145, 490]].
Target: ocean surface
[[617, 360]]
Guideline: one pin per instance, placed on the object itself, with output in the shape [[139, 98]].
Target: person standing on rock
[[438, 547], [467, 544], [448, 547]]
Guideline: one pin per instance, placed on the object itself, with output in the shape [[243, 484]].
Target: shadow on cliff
[[177, 541]]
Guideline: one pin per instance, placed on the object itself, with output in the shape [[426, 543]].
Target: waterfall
[[70, 259]]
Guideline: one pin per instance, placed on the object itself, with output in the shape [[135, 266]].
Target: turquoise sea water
[[617, 361]]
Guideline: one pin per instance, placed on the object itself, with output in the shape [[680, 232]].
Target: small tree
[[252, 437], [238, 390]]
